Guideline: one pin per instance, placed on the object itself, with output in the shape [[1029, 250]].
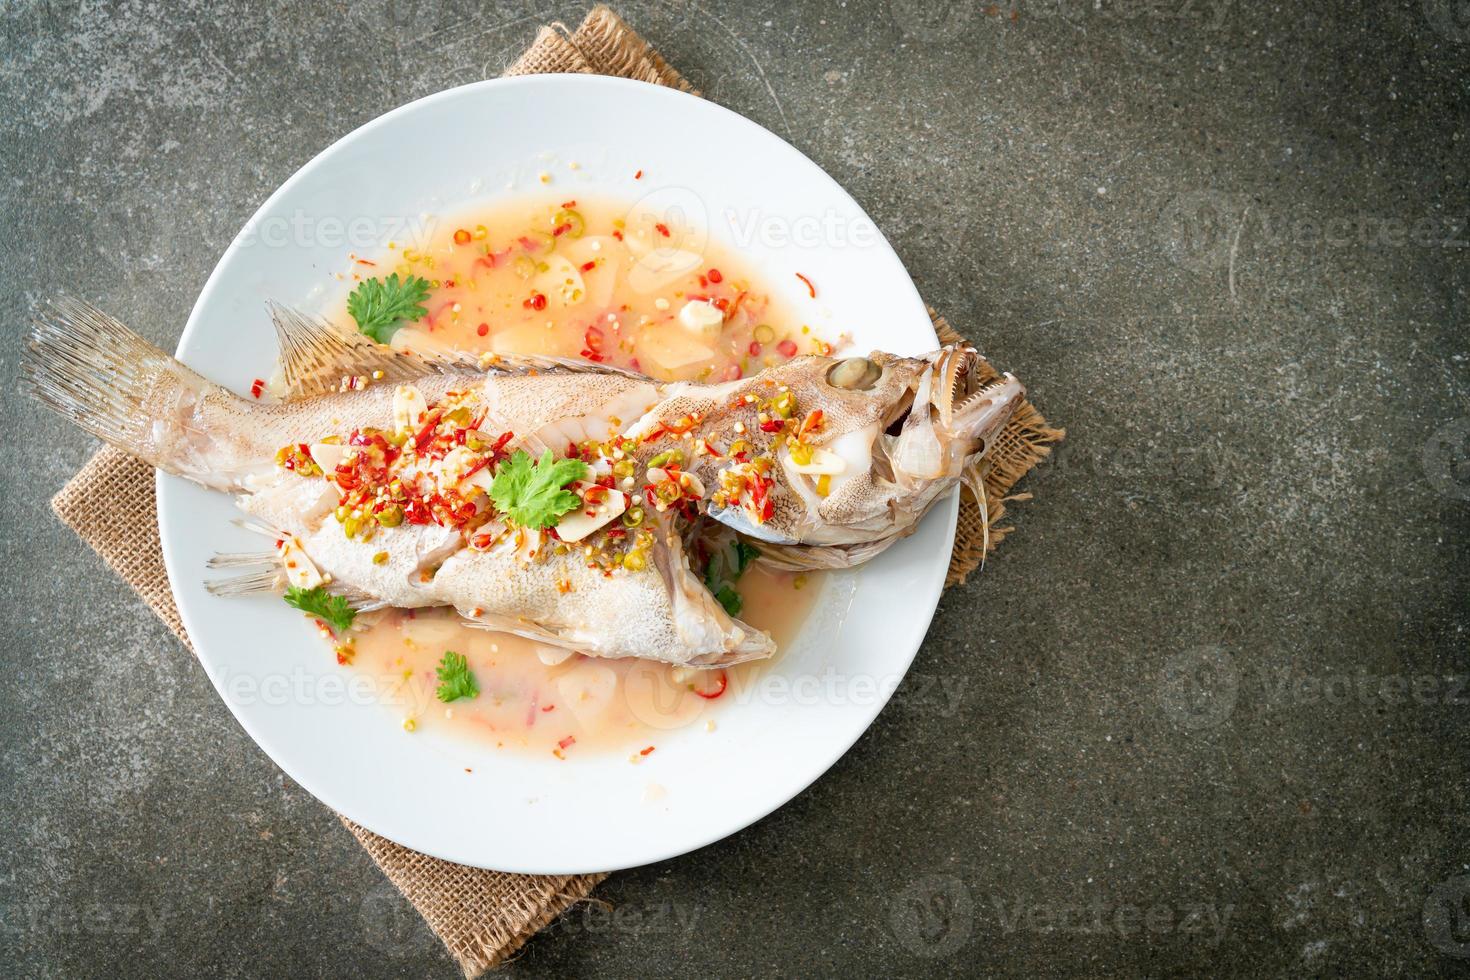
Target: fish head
[[894, 434]]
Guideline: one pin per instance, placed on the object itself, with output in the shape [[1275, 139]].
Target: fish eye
[[854, 374]]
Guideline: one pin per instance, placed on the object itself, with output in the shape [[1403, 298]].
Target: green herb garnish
[[724, 570], [455, 679], [534, 494], [330, 609], [730, 599], [381, 305]]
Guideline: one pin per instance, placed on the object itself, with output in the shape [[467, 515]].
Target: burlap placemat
[[485, 916]]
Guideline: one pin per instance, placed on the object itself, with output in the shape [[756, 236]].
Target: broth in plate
[[624, 286], [582, 276]]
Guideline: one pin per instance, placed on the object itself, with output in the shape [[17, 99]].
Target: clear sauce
[[579, 706], [590, 278]]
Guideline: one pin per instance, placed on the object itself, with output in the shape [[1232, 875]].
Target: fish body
[[391, 478]]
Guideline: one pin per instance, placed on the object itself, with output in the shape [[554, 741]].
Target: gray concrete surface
[[1213, 703]]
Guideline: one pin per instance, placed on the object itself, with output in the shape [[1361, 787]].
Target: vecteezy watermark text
[[39, 915], [301, 229], [935, 916], [939, 21], [1204, 229], [1199, 688]]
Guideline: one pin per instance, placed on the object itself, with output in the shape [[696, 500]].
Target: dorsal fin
[[316, 357]]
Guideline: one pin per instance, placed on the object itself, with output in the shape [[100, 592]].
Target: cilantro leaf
[[724, 569], [730, 599], [455, 679], [534, 494], [380, 305], [744, 555], [330, 609]]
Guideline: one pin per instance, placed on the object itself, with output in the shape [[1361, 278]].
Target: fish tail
[[93, 371]]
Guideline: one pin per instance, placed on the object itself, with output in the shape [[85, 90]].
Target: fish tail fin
[[93, 371]]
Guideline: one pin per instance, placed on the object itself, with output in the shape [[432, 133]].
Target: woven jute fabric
[[485, 916]]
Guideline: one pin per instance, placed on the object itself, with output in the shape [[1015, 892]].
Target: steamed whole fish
[[550, 498]]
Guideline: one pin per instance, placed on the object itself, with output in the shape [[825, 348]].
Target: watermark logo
[[1283, 689], [99, 919], [390, 925], [1202, 230], [1198, 687], [1447, 917], [932, 20], [1197, 229], [933, 916], [1098, 917], [666, 700], [1208, 14], [828, 230], [1447, 460], [599, 918], [303, 229], [1449, 18], [667, 230]]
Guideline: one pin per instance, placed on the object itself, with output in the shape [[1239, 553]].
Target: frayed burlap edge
[[603, 44], [110, 505], [482, 916], [507, 909], [1025, 441]]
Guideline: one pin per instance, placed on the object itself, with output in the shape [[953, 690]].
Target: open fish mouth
[[952, 415]]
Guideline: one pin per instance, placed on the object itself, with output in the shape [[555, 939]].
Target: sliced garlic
[[823, 463], [460, 460], [701, 317], [408, 405], [328, 455], [457, 460], [584, 520], [660, 267], [479, 480], [561, 280], [692, 484], [300, 571], [551, 656]]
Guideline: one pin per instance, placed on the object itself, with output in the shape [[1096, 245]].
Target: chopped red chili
[[710, 696], [809, 287]]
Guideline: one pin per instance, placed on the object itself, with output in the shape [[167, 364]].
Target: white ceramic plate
[[481, 144]]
